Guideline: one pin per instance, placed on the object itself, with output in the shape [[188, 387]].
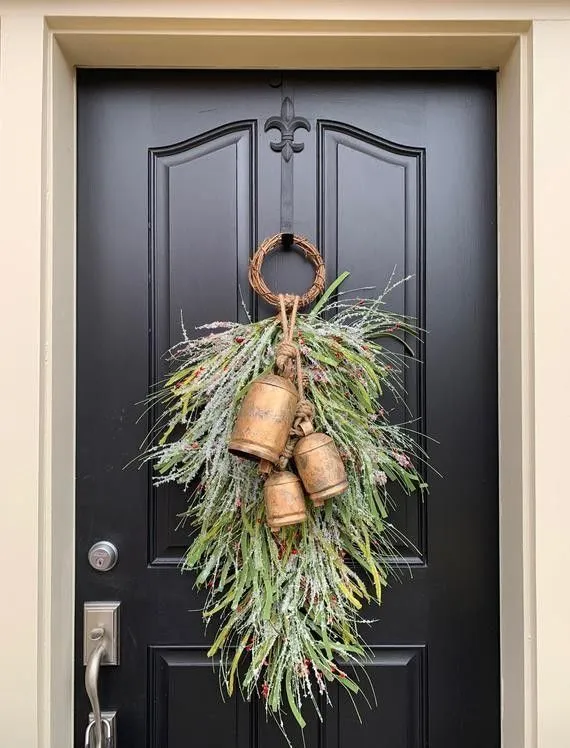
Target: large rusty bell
[[320, 467], [284, 500], [264, 419]]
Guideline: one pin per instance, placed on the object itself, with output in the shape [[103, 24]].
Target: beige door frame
[[40, 43]]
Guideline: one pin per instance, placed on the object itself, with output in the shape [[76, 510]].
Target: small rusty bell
[[284, 500], [320, 466], [264, 419]]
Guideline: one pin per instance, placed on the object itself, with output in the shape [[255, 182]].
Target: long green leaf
[[328, 293], [291, 699]]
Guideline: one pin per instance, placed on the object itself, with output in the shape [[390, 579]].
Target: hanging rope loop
[[287, 353], [288, 364]]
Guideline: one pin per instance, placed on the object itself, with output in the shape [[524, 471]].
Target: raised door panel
[[184, 705], [394, 683], [201, 226], [372, 223]]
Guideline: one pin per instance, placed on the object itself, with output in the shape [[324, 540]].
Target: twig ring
[[309, 251]]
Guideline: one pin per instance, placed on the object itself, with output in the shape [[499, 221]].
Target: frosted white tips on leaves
[[287, 604]]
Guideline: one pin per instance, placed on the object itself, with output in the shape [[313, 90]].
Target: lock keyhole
[[103, 556]]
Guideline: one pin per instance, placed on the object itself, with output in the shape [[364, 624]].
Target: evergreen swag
[[289, 603]]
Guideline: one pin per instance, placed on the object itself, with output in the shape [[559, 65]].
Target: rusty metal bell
[[284, 500], [320, 467], [264, 419]]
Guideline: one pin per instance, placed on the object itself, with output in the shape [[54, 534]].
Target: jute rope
[[288, 364], [288, 356], [309, 251]]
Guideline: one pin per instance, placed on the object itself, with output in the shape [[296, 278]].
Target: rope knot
[[287, 452], [303, 422], [305, 409], [285, 357], [289, 300], [286, 349]]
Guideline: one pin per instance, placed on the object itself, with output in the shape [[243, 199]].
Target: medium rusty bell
[[320, 466], [284, 500], [264, 419]]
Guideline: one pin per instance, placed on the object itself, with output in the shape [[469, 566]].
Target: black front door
[[177, 184]]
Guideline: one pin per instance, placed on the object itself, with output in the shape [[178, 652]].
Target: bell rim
[[328, 493], [251, 451], [290, 519]]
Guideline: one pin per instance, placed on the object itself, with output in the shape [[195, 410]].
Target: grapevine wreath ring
[[309, 251], [290, 569]]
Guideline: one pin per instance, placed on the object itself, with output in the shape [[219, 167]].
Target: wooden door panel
[[378, 186], [176, 185], [183, 693], [200, 240], [398, 679], [184, 696]]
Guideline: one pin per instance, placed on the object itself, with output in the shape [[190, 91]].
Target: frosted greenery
[[287, 604]]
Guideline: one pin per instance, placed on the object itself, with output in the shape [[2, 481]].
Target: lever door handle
[[91, 686], [100, 647]]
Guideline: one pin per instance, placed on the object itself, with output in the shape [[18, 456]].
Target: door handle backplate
[[101, 615], [109, 721]]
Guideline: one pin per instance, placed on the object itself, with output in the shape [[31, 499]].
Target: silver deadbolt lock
[[103, 556]]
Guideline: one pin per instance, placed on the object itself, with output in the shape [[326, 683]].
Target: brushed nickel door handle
[[98, 636], [100, 648]]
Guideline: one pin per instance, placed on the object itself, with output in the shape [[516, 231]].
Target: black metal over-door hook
[[287, 123]]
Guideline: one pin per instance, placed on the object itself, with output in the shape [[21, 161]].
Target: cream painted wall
[[22, 210], [551, 234], [530, 43], [322, 10]]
